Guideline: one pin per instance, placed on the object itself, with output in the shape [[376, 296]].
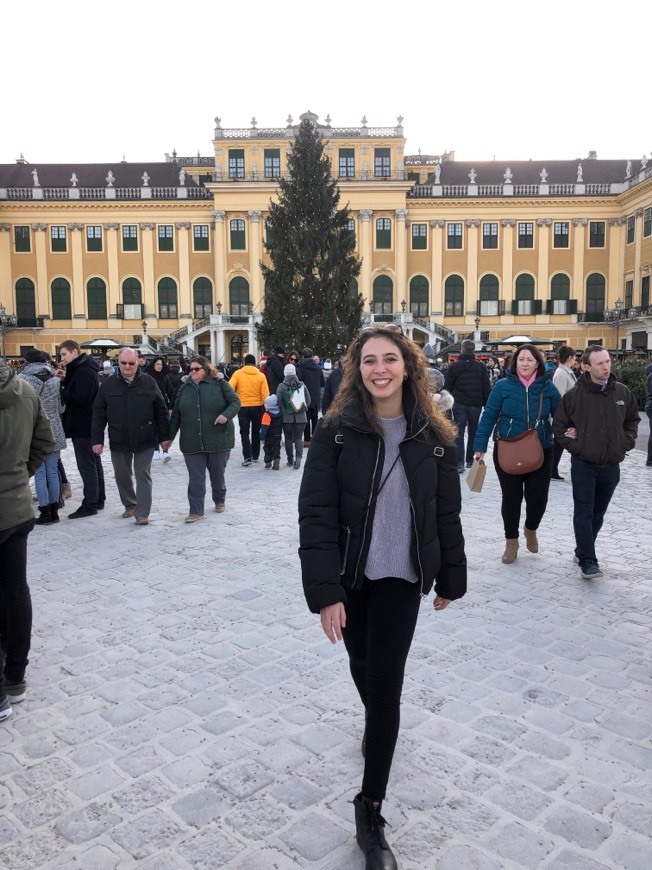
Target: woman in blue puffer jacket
[[513, 406]]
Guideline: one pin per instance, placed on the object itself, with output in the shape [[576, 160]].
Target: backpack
[[295, 400]]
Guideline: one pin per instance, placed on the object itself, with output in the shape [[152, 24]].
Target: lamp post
[[476, 334], [219, 307], [6, 320], [403, 306], [618, 305], [144, 325]]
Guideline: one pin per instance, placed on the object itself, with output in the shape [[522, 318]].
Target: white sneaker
[[157, 455], [166, 457]]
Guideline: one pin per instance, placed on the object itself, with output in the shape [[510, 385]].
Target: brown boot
[[511, 550], [531, 540]]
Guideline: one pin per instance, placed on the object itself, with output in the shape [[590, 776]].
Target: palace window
[[489, 236], [595, 295], [489, 303], [647, 222], [22, 241], [560, 301], [58, 239], [272, 162], [419, 237], [645, 291], [200, 237], [132, 293], [236, 163], [454, 296], [631, 227], [129, 237], [25, 302], [166, 237], [419, 287], [523, 304], [347, 163], [94, 239], [237, 234], [239, 296], [202, 298], [525, 234], [596, 234], [383, 233], [453, 236], [61, 307], [560, 238], [350, 228], [629, 295], [167, 299], [268, 231], [382, 165], [383, 295], [96, 299]]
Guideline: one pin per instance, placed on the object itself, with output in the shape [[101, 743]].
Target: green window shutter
[[167, 299], [538, 306], [572, 306], [61, 307], [514, 306], [166, 238], [22, 240], [237, 234], [96, 299], [129, 237]]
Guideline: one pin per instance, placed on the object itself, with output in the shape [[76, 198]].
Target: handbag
[[523, 453], [475, 477]]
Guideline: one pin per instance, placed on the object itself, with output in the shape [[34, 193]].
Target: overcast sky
[[510, 79]]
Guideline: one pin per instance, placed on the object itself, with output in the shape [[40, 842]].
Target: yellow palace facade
[[168, 254]]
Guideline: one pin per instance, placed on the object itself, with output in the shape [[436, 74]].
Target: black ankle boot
[[370, 835], [54, 512], [44, 519]]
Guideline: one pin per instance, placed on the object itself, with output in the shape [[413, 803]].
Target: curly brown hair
[[353, 392]]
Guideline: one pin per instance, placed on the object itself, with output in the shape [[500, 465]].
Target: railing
[[178, 333], [633, 313], [104, 193], [455, 191], [258, 177], [435, 327], [324, 131], [29, 323]]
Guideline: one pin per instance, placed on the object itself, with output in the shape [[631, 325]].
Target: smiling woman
[[379, 519]]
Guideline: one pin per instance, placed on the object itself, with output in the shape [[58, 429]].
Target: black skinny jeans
[[380, 622], [534, 486], [15, 603]]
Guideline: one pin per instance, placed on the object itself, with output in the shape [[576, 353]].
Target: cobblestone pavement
[[185, 711]]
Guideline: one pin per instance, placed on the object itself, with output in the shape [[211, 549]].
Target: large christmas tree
[[311, 296]]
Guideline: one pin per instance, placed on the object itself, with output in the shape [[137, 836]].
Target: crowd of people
[[388, 436]]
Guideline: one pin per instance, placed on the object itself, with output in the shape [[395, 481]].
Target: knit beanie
[[271, 403], [289, 370]]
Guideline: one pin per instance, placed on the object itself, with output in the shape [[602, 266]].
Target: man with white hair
[[132, 405]]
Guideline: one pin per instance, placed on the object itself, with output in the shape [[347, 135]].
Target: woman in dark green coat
[[203, 412]]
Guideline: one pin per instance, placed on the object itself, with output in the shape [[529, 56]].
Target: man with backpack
[[293, 400]]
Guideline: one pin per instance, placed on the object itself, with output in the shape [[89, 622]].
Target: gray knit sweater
[[40, 376], [389, 552]]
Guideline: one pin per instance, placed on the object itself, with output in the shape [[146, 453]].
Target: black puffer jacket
[[467, 380], [312, 376], [274, 369], [135, 412], [78, 393], [335, 518]]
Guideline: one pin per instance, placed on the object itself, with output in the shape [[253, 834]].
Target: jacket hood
[[9, 387], [308, 363], [42, 371], [83, 359], [291, 381], [584, 382], [444, 400], [249, 371]]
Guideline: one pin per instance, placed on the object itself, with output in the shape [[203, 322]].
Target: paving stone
[[243, 780], [98, 857], [518, 843], [201, 807], [87, 823], [314, 837], [94, 783], [568, 860], [520, 800], [467, 857], [578, 828], [148, 833], [201, 849], [629, 851]]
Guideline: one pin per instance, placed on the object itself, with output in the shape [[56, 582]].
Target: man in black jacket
[[132, 405], [274, 369], [312, 376], [78, 392], [597, 422], [467, 380]]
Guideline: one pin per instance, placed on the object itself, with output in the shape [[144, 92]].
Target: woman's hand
[[333, 620], [479, 456], [221, 420], [442, 603]]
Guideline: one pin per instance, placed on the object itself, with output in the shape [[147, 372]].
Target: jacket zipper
[[414, 523], [366, 522]]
